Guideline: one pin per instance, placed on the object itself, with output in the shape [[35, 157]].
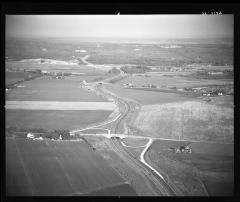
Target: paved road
[[153, 179]]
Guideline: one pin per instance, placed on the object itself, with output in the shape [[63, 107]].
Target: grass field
[[13, 77], [44, 89], [54, 119], [57, 168], [147, 97], [187, 120], [210, 165]]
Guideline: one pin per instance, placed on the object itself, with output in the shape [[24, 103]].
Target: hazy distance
[[124, 27]]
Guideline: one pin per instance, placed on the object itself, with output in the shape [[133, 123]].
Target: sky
[[120, 26]]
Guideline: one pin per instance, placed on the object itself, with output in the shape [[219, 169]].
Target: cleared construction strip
[[46, 105]]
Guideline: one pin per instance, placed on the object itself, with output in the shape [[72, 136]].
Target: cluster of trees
[[65, 134], [39, 132]]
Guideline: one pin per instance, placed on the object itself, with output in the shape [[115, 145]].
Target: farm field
[[56, 168], [104, 148], [147, 97], [209, 168], [54, 119], [164, 81], [13, 77], [43, 89], [188, 120]]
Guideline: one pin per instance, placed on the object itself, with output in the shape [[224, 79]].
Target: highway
[[159, 185], [152, 178]]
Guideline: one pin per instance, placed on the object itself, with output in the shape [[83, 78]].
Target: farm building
[[30, 136], [183, 149]]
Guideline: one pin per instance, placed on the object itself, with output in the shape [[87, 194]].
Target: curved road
[[160, 185], [155, 180]]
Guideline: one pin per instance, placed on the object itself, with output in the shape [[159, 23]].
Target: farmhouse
[[30, 136], [183, 149]]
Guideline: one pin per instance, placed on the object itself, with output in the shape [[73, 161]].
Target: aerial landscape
[[93, 115]]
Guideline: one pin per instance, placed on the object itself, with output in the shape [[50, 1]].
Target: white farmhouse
[[30, 135]]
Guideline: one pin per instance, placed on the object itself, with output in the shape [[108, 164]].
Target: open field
[[43, 89], [187, 120], [54, 119], [209, 167], [147, 97], [56, 168], [13, 77], [178, 82], [45, 105]]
